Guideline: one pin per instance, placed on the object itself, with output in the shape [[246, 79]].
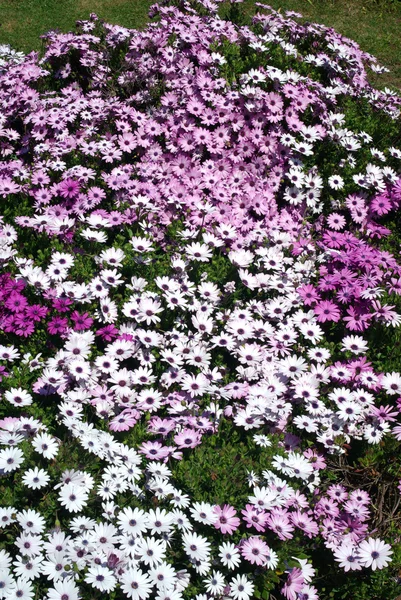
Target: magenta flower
[[24, 326], [36, 312], [69, 188], [16, 302], [327, 311], [309, 294], [227, 522], [107, 333], [12, 285], [62, 304], [81, 321], [57, 325], [356, 319]]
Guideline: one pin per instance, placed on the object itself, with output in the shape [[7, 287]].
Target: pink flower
[[227, 522], [154, 450], [255, 550], [16, 302], [107, 333], [327, 311], [124, 421], [309, 294], [294, 584], [254, 517], [81, 321], [57, 325], [69, 188], [187, 438]]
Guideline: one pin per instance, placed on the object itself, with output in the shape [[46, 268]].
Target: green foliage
[[216, 471]]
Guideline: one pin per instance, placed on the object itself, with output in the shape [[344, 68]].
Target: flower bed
[[200, 282]]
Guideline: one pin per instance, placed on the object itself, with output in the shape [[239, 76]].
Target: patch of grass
[[23, 21]]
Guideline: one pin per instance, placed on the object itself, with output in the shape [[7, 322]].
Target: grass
[[374, 24], [23, 21]]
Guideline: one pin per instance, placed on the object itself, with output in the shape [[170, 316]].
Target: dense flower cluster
[[197, 262]]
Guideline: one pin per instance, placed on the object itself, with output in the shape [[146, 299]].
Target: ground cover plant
[[200, 281]]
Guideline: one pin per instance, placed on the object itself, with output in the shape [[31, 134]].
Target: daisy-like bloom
[[64, 589], [195, 385], [355, 344], [254, 517], [229, 555], [101, 578], [308, 592], [294, 584], [196, 546], [45, 445], [141, 244], [28, 568], [29, 545], [79, 369], [308, 571], [31, 521], [151, 551], [5, 560], [336, 182], [374, 553], [264, 497], [23, 590], [82, 524], [159, 521], [7, 516], [149, 308], [215, 584], [262, 440], [279, 523], [348, 557], [132, 521], [35, 478], [348, 410], [169, 594], [69, 188], [18, 397], [9, 353], [188, 438], [55, 567], [11, 459], [391, 382], [227, 522], [163, 576], [200, 252], [111, 277], [326, 310], [256, 551], [241, 588], [203, 513], [136, 585], [103, 536], [7, 583], [73, 497]]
